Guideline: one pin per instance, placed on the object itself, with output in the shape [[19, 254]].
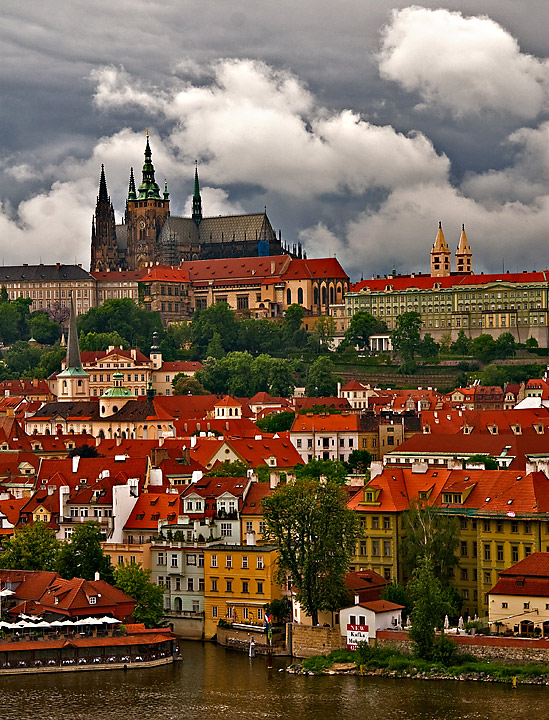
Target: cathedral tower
[[146, 213], [464, 256], [104, 251], [440, 256]]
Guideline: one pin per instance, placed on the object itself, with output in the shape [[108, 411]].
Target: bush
[[317, 663], [444, 651]]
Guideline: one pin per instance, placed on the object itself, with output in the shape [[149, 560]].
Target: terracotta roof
[[535, 565], [28, 584], [426, 282], [179, 366], [303, 403], [326, 423], [379, 606], [254, 498], [72, 597], [150, 508]]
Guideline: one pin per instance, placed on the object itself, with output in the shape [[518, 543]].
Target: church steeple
[[197, 200], [73, 381], [132, 195], [464, 256], [148, 188], [103, 194], [440, 255]]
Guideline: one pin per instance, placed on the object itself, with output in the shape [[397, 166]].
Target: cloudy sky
[[358, 124]]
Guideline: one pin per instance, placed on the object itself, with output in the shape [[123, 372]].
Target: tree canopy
[[429, 608], [321, 378], [406, 338], [184, 385], [276, 422], [361, 326], [32, 547], [315, 535], [135, 581], [241, 374], [82, 556]]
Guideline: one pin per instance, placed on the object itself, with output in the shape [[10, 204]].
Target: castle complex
[[149, 234]]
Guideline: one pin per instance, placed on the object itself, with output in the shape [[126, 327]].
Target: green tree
[[397, 593], [102, 341], [315, 535], [531, 343], [461, 345], [42, 329], [22, 357], [406, 339], [50, 361], [489, 462], [324, 330], [276, 422], [82, 556], [361, 326], [505, 346], [215, 347], [85, 451], [294, 335], [4, 297], [23, 306], [217, 318], [184, 385], [32, 547], [483, 347], [445, 342], [135, 581], [261, 336], [321, 378], [494, 375], [428, 348], [427, 533], [333, 471], [359, 460], [9, 323], [229, 468], [429, 608], [134, 324]]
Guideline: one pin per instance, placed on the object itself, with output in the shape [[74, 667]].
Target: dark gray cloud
[[358, 152]]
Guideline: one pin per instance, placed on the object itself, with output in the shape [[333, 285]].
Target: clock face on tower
[[142, 224]]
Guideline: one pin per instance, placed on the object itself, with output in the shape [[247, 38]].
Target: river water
[[213, 682]]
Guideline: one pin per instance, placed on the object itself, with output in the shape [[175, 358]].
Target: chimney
[[97, 576], [75, 461], [357, 599]]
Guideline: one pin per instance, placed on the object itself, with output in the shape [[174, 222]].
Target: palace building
[[450, 302], [150, 235]]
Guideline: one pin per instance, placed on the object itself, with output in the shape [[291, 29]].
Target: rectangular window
[[386, 523], [201, 561], [214, 561], [387, 548], [214, 611], [174, 560], [249, 526], [375, 522], [201, 584], [260, 564], [504, 605], [245, 586], [260, 613], [486, 526], [244, 562], [214, 585], [363, 547], [226, 529], [487, 552], [487, 578], [190, 584], [464, 548], [229, 585], [259, 587], [375, 548], [514, 553], [229, 561]]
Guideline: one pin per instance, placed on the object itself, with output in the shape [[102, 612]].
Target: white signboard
[[356, 634]]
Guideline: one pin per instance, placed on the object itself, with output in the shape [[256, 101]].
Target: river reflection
[[214, 683]]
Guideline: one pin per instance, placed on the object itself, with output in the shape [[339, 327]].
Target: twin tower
[[440, 256]]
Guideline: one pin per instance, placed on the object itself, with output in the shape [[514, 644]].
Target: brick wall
[[307, 640], [485, 647]]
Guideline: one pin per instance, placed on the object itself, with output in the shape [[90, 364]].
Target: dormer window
[[93, 600]]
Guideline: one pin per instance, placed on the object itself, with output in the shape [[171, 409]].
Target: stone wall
[[186, 627], [307, 640], [240, 639], [512, 650]]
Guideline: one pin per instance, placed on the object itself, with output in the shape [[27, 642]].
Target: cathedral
[[150, 235]]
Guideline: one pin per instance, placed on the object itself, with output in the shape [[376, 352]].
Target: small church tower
[[73, 383], [464, 256], [440, 255]]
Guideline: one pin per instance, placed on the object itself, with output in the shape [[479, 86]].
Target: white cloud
[[465, 65], [261, 126], [526, 180], [401, 232], [216, 201]]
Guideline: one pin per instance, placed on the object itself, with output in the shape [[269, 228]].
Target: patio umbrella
[[460, 622], [56, 623], [6, 592], [43, 625], [5, 625], [81, 621], [93, 621], [110, 620], [67, 623], [446, 622]]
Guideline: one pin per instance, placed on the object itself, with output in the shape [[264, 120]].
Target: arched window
[[331, 295], [288, 297], [324, 295], [315, 295], [300, 296]]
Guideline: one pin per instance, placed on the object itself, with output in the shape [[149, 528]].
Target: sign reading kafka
[[355, 635]]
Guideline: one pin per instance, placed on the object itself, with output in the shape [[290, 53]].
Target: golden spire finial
[[147, 132]]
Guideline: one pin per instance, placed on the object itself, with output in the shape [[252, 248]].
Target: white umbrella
[[6, 592], [93, 621], [110, 620], [6, 625], [446, 622], [56, 623], [81, 621], [460, 622], [42, 624], [67, 623]]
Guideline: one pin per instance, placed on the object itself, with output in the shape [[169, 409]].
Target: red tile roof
[[152, 507], [326, 423], [254, 498], [426, 282]]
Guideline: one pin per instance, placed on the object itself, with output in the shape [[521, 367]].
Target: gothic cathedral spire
[[197, 200], [104, 250]]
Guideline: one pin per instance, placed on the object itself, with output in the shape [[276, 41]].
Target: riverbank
[[389, 664]]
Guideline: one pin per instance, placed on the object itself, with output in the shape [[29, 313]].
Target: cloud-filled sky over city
[[359, 125]]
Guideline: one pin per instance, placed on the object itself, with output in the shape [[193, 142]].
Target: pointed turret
[[73, 381], [148, 187], [166, 193], [197, 200], [464, 256], [132, 195], [440, 255], [103, 194]]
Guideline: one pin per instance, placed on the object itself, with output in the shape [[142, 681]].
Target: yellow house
[[128, 554], [239, 581]]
